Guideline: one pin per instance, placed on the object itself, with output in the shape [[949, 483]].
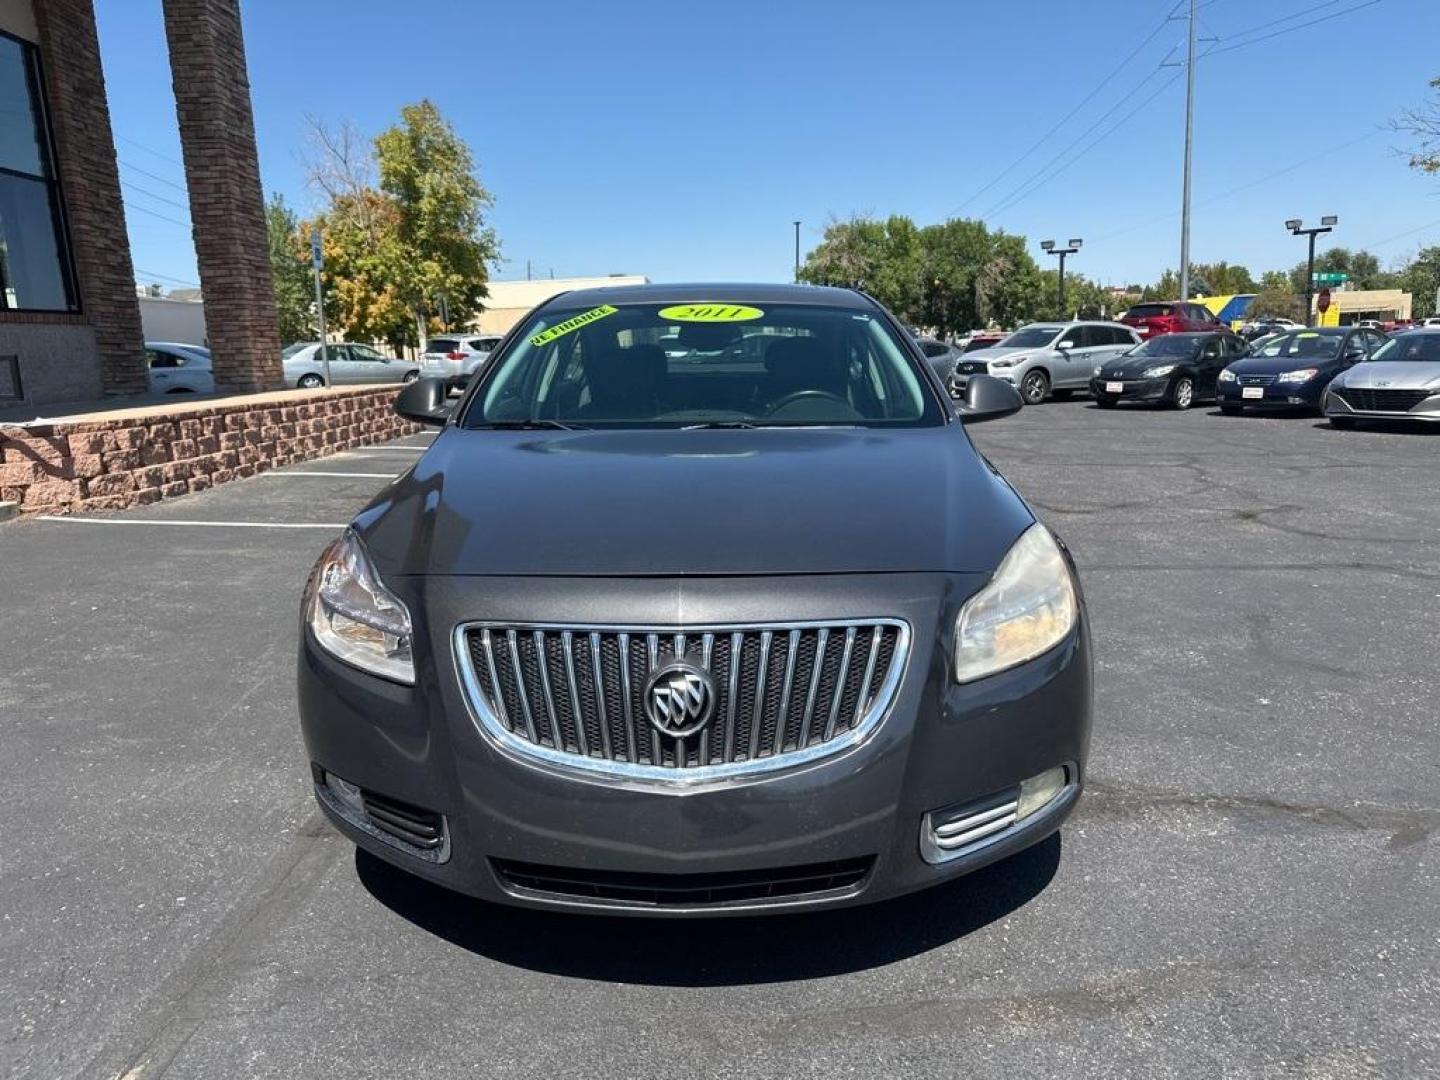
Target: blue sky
[[681, 140]]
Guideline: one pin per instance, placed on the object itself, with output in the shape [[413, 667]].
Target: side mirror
[[1066, 345], [424, 401], [988, 398]]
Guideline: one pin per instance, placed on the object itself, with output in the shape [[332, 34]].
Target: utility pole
[[317, 262], [797, 251], [1297, 227], [1189, 140], [1070, 248]]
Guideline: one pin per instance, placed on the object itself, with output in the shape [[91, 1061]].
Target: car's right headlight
[[355, 618], [1028, 607], [1097, 369], [1228, 376]]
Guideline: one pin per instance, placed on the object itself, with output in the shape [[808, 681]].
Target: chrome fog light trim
[[956, 831]]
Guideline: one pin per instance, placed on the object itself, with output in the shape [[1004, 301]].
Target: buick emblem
[[1382, 382], [679, 698]]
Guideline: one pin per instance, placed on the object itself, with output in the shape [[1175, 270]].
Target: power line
[[1398, 236], [135, 206], [1045, 174], [1071, 114], [165, 277], [167, 157], [1243, 187], [1289, 29], [151, 194], [151, 175]]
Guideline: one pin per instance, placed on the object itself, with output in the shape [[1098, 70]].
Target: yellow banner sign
[[711, 311], [585, 318]]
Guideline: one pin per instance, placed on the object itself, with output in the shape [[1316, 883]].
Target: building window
[[35, 271]]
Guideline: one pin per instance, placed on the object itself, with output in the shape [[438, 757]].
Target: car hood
[[1278, 365], [1131, 366], [1394, 374], [678, 503], [996, 353]]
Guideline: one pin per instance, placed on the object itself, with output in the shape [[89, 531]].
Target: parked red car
[[1172, 317]]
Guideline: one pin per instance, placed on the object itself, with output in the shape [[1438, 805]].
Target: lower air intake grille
[[412, 824], [766, 696], [685, 890], [1368, 400]]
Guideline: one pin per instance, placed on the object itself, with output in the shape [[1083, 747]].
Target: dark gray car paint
[[676, 528]]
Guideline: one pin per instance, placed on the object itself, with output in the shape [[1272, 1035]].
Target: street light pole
[[1070, 248], [797, 251], [1297, 228], [1189, 139], [317, 263]]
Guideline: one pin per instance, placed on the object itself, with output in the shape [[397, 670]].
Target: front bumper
[[1276, 395], [1130, 389], [940, 746], [1426, 410]]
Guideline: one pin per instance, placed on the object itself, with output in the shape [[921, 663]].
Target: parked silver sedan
[[177, 368], [349, 364], [1400, 381], [1045, 357]]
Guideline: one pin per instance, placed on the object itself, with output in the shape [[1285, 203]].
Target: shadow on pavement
[[718, 951]]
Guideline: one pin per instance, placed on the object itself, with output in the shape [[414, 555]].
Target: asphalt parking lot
[[1248, 888]]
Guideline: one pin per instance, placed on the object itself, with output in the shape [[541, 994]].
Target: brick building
[[69, 320]]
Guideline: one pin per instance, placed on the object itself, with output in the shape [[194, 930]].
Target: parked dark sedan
[[1173, 369], [668, 636], [1291, 371]]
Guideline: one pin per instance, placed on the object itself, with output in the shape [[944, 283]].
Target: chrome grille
[[1375, 400], [1256, 380], [782, 693]]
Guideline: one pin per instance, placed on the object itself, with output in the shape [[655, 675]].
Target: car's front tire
[[410, 376], [1035, 387], [1182, 394]]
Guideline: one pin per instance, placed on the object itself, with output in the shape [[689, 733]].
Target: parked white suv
[[1042, 357], [456, 357]]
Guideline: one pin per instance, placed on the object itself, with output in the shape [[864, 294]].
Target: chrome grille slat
[[782, 694]]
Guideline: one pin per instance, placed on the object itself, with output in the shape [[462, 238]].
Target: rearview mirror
[[988, 398], [424, 401]]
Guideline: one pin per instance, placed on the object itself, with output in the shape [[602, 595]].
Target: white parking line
[[202, 524], [316, 472], [386, 449]]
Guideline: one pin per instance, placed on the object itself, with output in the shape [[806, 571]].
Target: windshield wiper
[[721, 425], [537, 424]]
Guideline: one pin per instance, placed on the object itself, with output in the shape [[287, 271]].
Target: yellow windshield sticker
[[711, 311], [585, 318], [1308, 335]]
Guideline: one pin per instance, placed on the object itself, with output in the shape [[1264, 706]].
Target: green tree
[[444, 248], [1423, 126], [881, 257], [1421, 279], [290, 270], [1363, 267], [1273, 280], [1276, 302], [1221, 279]]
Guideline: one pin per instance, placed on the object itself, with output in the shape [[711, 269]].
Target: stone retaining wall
[[110, 461]]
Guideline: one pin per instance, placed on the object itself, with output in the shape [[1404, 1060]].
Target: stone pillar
[[222, 170], [90, 189]]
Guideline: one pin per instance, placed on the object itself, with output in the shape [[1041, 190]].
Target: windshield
[[1031, 337], [1306, 343], [1148, 311], [1422, 347], [1167, 345], [689, 364]]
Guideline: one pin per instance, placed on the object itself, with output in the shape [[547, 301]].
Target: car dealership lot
[[1247, 889]]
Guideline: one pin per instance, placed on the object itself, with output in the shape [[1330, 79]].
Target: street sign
[[1322, 304], [317, 257], [1329, 278]]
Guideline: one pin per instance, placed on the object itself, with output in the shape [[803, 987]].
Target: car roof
[[1323, 331], [733, 292], [173, 345]]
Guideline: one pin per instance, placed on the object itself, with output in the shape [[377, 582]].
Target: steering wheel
[[797, 396]]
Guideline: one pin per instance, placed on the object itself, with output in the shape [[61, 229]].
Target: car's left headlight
[[1302, 375], [1228, 376], [355, 618], [1097, 369], [1028, 607], [1156, 372]]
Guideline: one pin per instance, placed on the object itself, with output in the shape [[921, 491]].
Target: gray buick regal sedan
[[742, 624]]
